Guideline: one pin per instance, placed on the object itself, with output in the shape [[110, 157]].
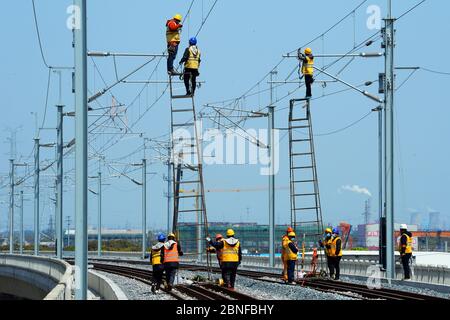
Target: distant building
[[415, 219], [434, 222], [372, 234]]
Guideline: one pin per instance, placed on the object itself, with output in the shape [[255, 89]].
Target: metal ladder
[[306, 211], [186, 159]]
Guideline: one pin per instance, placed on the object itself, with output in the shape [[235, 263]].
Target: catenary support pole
[[59, 184], [169, 187], [144, 207], [81, 155], [11, 207], [389, 43], [21, 223], [271, 151], [36, 196], [99, 223]]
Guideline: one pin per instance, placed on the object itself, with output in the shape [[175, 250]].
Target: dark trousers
[[405, 262], [158, 272], [172, 50], [291, 270], [229, 270], [171, 270], [190, 80], [334, 266], [308, 82]]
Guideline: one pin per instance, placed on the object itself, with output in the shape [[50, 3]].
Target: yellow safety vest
[[409, 241], [156, 257], [327, 243], [307, 67], [289, 254], [230, 253], [172, 36], [333, 247], [284, 242], [171, 255], [193, 62]]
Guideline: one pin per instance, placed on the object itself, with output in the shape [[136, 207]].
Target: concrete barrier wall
[[104, 287], [51, 276]]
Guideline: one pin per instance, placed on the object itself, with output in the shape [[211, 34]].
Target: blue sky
[[241, 41]]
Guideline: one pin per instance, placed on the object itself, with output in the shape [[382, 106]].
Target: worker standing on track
[[218, 252], [405, 248], [172, 254], [157, 260], [326, 244], [173, 37], [231, 257], [291, 252], [336, 253], [307, 69], [191, 60], [284, 241]]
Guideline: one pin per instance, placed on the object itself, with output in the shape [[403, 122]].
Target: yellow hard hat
[[171, 235], [178, 17], [230, 232], [328, 230], [291, 234], [308, 51]]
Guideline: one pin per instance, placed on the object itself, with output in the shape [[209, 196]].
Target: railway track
[[198, 291], [324, 285]]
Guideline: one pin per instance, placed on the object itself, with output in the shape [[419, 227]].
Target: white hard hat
[[403, 226]]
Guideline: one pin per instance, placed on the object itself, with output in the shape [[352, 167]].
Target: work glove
[[208, 239]]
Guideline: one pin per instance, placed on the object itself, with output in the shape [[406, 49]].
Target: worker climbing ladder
[[189, 208], [306, 213]]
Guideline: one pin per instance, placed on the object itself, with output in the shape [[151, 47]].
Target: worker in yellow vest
[[231, 257], [157, 260], [172, 254], [307, 69], [218, 252], [335, 254], [191, 60], [291, 254], [173, 37], [405, 248], [326, 244], [284, 241]]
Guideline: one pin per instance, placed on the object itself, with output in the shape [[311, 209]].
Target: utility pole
[[21, 223], [81, 154], [68, 230], [271, 151], [59, 179], [389, 86], [99, 224], [11, 207], [36, 196], [144, 207]]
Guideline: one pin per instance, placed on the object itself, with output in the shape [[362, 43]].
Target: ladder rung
[[305, 222], [183, 110], [182, 124], [306, 208], [299, 127], [193, 210], [303, 167], [304, 194], [299, 119], [182, 96], [187, 181], [302, 181], [193, 196], [300, 140], [301, 154]]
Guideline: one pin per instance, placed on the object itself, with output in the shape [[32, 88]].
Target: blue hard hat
[[161, 237], [193, 41], [336, 230]]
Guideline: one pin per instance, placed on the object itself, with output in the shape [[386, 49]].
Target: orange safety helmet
[[289, 229], [219, 236]]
